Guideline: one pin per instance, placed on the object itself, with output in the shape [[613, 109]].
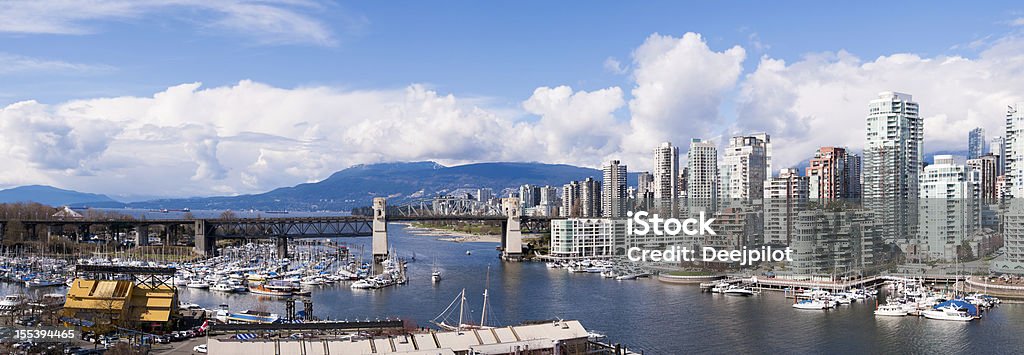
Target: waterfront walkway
[[782, 284]]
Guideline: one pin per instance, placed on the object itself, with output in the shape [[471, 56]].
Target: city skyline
[[222, 130]]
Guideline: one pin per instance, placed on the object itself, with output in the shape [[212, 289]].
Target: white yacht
[[198, 284], [363, 284], [948, 313], [812, 304], [891, 310], [720, 287], [738, 291], [223, 287], [435, 276]]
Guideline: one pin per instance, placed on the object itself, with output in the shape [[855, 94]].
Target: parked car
[[200, 349], [109, 340]]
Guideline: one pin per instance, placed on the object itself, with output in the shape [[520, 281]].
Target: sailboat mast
[[462, 306], [487, 284]]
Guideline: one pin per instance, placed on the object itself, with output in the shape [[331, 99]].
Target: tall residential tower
[[892, 164]]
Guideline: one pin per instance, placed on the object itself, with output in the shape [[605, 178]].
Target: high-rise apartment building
[[975, 143], [767, 141], [949, 210], [549, 201], [743, 168], [613, 194], [702, 176], [590, 198], [666, 183], [529, 196], [484, 194], [784, 197], [1014, 159], [571, 206], [998, 148], [985, 166], [892, 164], [645, 190], [833, 174]]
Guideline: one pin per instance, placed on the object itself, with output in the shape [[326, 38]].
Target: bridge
[[207, 231]]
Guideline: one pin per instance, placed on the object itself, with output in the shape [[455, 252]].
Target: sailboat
[[461, 299]]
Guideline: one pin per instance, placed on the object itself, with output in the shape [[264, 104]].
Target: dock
[[783, 284]]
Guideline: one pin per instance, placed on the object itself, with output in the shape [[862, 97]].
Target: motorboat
[[721, 287], [435, 276], [263, 289], [812, 304], [37, 282], [13, 302], [738, 291], [223, 287], [949, 313], [198, 284], [49, 300], [363, 284], [891, 310]]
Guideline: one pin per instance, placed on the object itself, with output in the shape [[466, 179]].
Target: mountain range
[[352, 187], [53, 196]]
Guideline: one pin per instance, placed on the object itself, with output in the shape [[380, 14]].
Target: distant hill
[[49, 195], [400, 182]]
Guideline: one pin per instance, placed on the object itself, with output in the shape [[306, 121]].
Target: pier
[[783, 284]]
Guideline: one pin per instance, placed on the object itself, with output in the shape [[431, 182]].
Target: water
[[643, 314]]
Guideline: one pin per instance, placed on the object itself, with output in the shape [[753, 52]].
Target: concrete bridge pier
[[511, 233], [282, 246], [142, 235], [206, 245], [380, 229]]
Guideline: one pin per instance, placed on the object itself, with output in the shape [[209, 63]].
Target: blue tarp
[[245, 336], [971, 309]]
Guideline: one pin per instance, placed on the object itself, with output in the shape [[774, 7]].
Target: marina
[[644, 313]]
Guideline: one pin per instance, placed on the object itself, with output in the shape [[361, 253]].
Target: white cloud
[[680, 85], [268, 21], [35, 136], [251, 137], [614, 66], [575, 127], [15, 64], [822, 99]]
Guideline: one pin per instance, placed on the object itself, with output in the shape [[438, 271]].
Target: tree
[[228, 215], [965, 252]]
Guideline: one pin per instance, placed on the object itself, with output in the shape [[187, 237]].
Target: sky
[[141, 99]]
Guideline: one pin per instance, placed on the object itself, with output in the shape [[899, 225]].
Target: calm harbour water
[[643, 314]]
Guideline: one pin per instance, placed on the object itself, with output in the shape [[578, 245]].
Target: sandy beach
[[452, 236]]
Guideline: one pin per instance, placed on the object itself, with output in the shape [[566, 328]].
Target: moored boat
[[262, 289], [891, 310]]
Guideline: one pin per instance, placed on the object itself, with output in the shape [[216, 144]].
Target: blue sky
[[192, 97], [500, 50]]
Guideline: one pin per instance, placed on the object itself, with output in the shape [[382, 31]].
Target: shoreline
[[447, 235]]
